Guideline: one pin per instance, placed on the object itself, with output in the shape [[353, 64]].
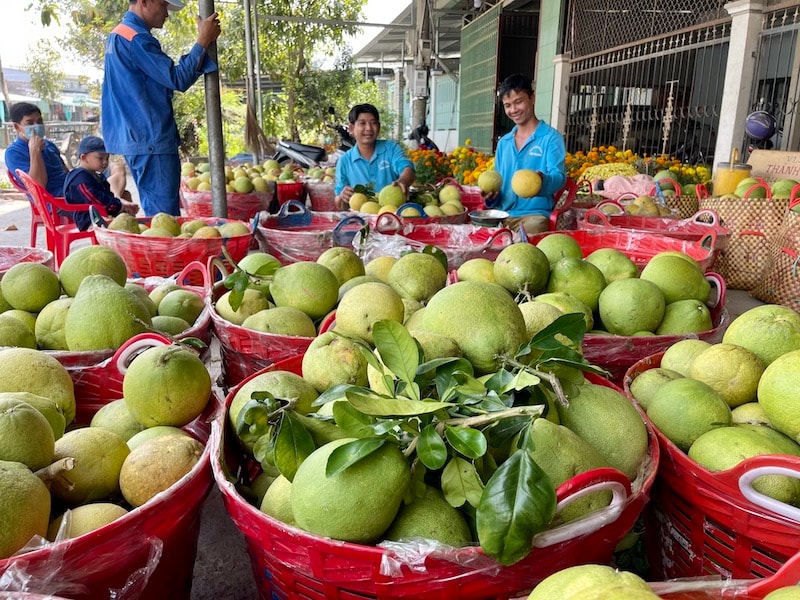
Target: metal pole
[[216, 145], [248, 51], [257, 53]]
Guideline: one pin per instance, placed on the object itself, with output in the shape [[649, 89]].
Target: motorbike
[[307, 155], [420, 135]]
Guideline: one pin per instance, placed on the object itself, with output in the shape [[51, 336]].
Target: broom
[[254, 138]]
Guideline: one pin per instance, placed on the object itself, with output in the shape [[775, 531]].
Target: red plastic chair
[[36, 220], [563, 202], [60, 235]]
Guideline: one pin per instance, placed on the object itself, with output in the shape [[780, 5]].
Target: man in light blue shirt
[[370, 161], [531, 144]]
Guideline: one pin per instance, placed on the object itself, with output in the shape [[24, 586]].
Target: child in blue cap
[[87, 185]]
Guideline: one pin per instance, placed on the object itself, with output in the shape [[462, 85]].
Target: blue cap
[[91, 143]]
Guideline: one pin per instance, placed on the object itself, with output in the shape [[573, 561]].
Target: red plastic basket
[[243, 207], [616, 353], [290, 563], [321, 196], [392, 236], [693, 228], [245, 351], [471, 198], [639, 247], [148, 256], [296, 234], [701, 522], [290, 190], [11, 255], [153, 547]]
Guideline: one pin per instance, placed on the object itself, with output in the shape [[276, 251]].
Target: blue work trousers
[[158, 178]]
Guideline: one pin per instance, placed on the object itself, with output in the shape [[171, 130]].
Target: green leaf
[[518, 502], [460, 483], [237, 282], [381, 406], [264, 451], [337, 392], [431, 449], [398, 350], [466, 440], [253, 419], [524, 379], [350, 453], [354, 423], [438, 254], [293, 444]]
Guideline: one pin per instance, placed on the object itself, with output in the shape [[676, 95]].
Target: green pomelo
[[307, 286], [140, 438], [613, 264], [777, 393], [562, 455], [784, 442], [522, 268], [124, 222], [677, 279], [103, 315], [449, 193], [609, 422], [646, 385], [414, 319], [166, 385], [620, 592], [684, 409], [253, 301], [559, 245], [791, 592], [391, 194], [24, 507], [579, 279], [568, 304], [685, 316], [343, 263], [170, 325], [159, 232], [430, 517], [538, 315], [157, 293], [27, 370], [184, 304], [277, 501], [768, 331], [192, 226], [731, 370], [116, 417], [4, 305], [99, 454], [630, 305], [681, 354], [750, 413], [25, 434], [49, 408], [233, 229], [357, 504], [725, 447], [165, 221], [358, 280], [156, 465], [379, 267], [476, 269], [332, 359], [574, 582], [365, 305], [30, 286], [14, 332], [482, 318], [91, 260], [257, 489], [26, 318], [84, 519], [281, 320], [417, 276], [260, 265], [435, 345], [49, 328]]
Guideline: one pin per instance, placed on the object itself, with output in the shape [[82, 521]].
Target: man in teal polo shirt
[[379, 162]]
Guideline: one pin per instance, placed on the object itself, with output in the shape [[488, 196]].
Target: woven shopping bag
[[754, 223], [780, 282]]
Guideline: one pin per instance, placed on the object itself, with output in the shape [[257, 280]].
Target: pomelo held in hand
[[166, 385], [526, 183]]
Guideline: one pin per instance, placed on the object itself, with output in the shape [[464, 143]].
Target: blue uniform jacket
[[18, 156], [385, 166], [139, 82], [85, 187], [544, 151]]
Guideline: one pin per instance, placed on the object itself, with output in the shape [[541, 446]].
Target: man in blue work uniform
[[531, 144], [32, 153], [379, 162], [137, 115]]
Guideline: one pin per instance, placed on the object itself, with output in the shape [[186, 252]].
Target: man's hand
[[208, 30], [35, 144], [344, 197], [130, 208]]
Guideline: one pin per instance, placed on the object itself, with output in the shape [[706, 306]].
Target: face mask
[[31, 130]]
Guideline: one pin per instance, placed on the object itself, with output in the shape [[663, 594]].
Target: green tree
[[47, 79]]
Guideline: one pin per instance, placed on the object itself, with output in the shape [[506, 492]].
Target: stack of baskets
[[11, 255]]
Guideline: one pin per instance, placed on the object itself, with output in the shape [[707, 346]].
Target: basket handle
[[125, 353], [760, 185], [327, 323], [452, 181], [338, 233], [422, 213], [625, 196], [708, 242], [388, 223], [615, 203], [579, 486], [191, 267], [292, 207], [583, 181], [502, 234], [706, 212], [718, 283], [594, 215], [657, 186], [701, 191]]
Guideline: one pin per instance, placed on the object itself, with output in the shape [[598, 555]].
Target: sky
[[21, 29]]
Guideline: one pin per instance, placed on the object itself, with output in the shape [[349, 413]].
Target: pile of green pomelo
[[163, 225]]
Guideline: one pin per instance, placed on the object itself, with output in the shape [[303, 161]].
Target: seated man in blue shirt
[[379, 162], [32, 153], [531, 144]]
